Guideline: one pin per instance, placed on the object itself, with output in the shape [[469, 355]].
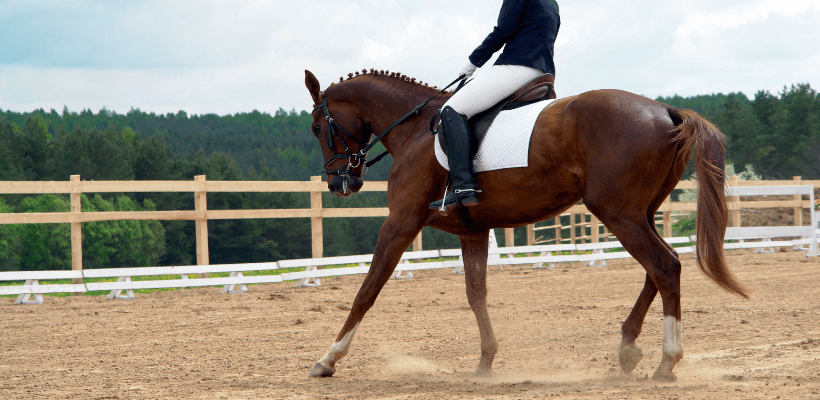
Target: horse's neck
[[394, 105]]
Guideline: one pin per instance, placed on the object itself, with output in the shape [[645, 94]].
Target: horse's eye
[[316, 129]]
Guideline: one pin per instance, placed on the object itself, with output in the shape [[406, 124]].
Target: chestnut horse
[[622, 154]]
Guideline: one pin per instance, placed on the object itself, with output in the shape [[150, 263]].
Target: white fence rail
[[809, 233], [592, 254]]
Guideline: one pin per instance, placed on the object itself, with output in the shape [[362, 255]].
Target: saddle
[[539, 89]]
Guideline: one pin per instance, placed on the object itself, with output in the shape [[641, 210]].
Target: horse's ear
[[313, 86]]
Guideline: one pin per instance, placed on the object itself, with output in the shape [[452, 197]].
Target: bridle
[[355, 160]]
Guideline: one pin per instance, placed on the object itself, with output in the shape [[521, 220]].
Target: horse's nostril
[[336, 186]]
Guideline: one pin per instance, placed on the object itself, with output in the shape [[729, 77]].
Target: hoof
[[628, 357], [320, 371], [484, 373], [665, 376]]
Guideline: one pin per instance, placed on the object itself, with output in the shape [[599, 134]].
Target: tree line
[[44, 146], [778, 134]]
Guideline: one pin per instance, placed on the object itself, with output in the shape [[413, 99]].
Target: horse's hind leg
[[629, 354], [474, 251], [663, 272]]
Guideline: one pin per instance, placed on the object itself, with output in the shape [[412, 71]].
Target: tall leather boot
[[459, 142]]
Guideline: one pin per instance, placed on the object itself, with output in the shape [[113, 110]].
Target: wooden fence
[[584, 227], [200, 187]]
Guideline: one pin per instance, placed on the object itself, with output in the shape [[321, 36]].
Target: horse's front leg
[[394, 237], [474, 251]]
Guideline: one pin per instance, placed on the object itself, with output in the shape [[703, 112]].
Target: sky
[[225, 57]]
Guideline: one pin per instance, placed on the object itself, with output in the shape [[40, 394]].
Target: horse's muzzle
[[344, 185]]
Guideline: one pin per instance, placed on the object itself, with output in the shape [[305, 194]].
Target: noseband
[[354, 160]]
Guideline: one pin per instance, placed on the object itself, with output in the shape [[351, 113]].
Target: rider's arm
[[508, 18]]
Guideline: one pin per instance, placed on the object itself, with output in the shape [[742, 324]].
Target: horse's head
[[341, 137]]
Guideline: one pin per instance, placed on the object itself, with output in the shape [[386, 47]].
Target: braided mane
[[395, 75]]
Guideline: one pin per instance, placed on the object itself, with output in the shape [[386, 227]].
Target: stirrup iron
[[457, 191]]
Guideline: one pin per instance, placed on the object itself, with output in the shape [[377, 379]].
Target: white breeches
[[490, 87]]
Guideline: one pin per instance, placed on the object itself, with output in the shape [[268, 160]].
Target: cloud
[[762, 45], [225, 57], [139, 35], [690, 48], [612, 48]]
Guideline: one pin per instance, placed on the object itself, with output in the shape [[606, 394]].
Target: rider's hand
[[467, 70]]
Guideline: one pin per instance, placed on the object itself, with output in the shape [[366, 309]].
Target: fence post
[[509, 237], [596, 236], [317, 235], [736, 203], [201, 205], [530, 234], [798, 211], [76, 228], [573, 225], [667, 217], [558, 231], [417, 243]]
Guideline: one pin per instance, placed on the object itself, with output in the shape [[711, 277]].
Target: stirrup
[[471, 200], [455, 200]]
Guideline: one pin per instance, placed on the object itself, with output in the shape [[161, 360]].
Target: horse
[[621, 153]]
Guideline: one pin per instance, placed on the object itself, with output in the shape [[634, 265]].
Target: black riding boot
[[459, 142]]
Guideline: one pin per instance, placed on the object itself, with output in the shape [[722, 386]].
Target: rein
[[356, 159]]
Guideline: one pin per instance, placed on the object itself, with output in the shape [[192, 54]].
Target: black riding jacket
[[527, 29]]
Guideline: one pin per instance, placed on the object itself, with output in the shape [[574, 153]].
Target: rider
[[527, 30]]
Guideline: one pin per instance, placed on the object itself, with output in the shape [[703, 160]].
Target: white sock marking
[[338, 349], [672, 342]]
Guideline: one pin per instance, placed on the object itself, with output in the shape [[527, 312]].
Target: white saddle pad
[[507, 143]]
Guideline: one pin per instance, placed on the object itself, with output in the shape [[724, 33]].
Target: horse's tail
[[712, 215]]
